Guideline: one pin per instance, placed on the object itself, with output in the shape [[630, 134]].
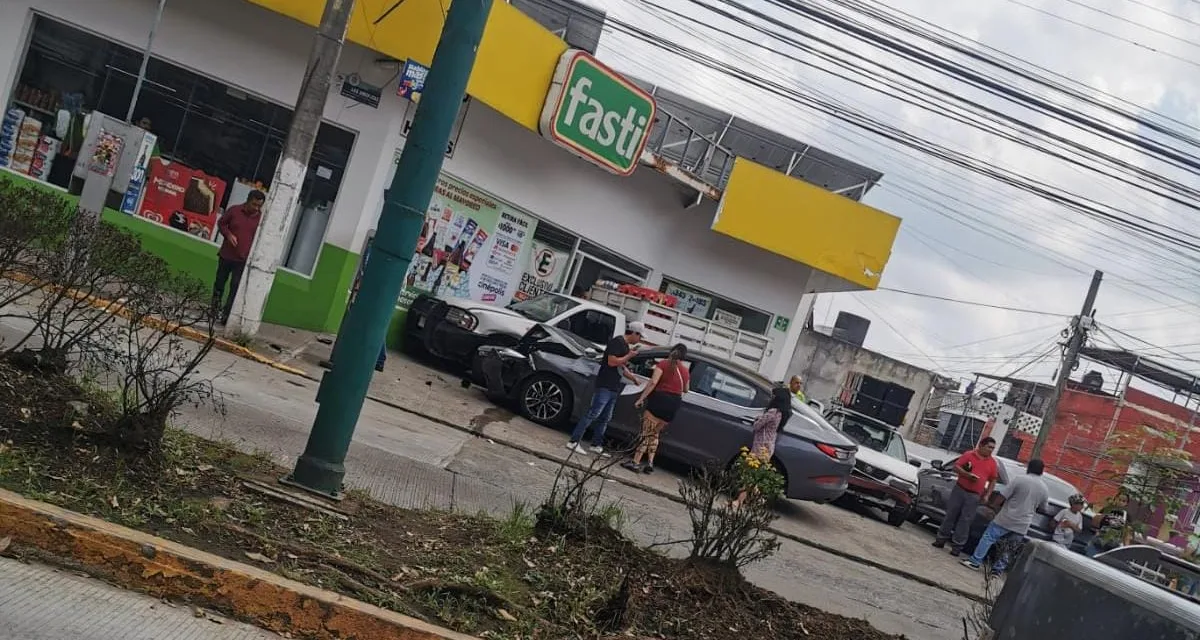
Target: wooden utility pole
[[1079, 328], [284, 196]]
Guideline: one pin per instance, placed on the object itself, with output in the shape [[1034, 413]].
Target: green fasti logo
[[597, 114]]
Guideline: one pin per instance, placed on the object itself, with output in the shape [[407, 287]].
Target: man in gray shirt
[[1022, 499]]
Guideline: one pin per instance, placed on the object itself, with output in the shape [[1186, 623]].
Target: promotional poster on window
[[182, 198], [545, 271], [470, 247]]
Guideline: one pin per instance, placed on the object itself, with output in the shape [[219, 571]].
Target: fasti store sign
[[596, 114]]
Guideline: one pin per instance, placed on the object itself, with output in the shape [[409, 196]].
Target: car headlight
[[462, 319]]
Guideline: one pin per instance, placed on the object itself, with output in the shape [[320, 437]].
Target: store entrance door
[[586, 270]]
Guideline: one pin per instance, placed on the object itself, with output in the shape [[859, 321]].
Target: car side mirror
[[937, 464], [915, 463]]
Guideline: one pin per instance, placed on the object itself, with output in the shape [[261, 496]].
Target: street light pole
[[1079, 326], [280, 208], [321, 468]]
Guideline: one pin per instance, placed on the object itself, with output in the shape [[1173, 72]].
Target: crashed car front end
[[500, 370]]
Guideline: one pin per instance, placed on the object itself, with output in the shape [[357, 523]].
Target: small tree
[[733, 534], [149, 358], [1152, 473], [30, 220]]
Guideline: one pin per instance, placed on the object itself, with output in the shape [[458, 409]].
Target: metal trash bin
[[1054, 593]]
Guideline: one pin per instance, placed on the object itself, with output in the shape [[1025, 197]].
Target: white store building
[[218, 90]]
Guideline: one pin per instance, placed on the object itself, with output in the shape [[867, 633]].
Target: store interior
[[222, 135]]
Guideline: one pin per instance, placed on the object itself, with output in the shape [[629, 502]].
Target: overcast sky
[[1146, 58]]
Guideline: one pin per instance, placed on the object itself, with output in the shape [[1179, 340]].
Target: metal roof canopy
[[1165, 376], [702, 139], [754, 142], [576, 23]]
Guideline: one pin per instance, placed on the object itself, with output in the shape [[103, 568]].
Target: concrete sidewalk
[[40, 603]]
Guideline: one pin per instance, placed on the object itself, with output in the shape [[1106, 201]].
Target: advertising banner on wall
[[544, 272], [412, 80], [471, 247]]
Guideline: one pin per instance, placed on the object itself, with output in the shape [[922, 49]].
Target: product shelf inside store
[[30, 107]]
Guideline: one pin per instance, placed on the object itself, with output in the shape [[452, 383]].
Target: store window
[[594, 265], [216, 138], [697, 302]]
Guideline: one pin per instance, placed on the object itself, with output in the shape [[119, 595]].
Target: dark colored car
[[548, 376], [935, 483], [883, 477]]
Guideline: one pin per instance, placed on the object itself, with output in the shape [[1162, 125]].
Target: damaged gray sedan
[[547, 377]]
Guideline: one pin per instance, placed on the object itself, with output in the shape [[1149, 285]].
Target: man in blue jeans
[[608, 389], [1023, 497]]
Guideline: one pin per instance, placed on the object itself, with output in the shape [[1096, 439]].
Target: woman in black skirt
[[660, 399]]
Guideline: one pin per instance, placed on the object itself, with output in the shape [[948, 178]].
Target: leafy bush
[[98, 303], [728, 534], [757, 476], [29, 220]]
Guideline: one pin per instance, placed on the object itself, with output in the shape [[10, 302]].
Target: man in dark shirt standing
[[237, 228], [608, 389]]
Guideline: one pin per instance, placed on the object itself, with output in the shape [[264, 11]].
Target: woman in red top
[[661, 400]]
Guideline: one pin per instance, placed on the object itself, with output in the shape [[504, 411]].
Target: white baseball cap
[[635, 327]]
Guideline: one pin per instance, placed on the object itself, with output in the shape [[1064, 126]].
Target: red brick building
[[1090, 423]]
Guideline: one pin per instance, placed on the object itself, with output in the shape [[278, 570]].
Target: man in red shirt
[[237, 228], [977, 473]]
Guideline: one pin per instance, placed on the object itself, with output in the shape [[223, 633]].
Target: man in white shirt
[[1069, 521]]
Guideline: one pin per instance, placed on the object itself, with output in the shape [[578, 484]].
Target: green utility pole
[[343, 389]]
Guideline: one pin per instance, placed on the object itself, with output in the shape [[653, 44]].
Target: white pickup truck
[[453, 328]]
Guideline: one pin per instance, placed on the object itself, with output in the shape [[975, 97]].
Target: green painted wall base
[[314, 304]]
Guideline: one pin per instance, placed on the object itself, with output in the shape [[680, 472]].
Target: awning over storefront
[[847, 241], [806, 223], [516, 57]]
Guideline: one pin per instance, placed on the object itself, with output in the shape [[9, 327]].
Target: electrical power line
[[974, 303], [685, 55], [1105, 33]]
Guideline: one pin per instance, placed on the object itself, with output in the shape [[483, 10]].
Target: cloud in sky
[[964, 235]]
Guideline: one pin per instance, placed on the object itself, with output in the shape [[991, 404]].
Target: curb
[[118, 309], [165, 569]]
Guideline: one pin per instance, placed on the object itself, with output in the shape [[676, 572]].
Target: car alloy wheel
[[543, 400]]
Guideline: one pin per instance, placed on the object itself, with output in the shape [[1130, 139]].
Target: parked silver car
[[548, 377]]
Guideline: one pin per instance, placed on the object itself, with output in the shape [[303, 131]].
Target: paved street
[[423, 389], [411, 461], [40, 603]]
